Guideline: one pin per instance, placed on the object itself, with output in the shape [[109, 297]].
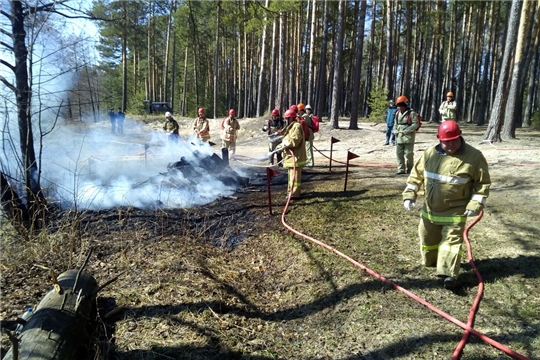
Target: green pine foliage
[[378, 103]]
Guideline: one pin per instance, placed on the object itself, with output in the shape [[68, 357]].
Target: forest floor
[[229, 281]]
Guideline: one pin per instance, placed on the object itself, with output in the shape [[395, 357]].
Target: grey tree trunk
[[281, 62], [338, 66], [262, 63], [216, 60], [514, 105], [533, 87], [493, 132], [321, 78], [358, 65], [311, 64]]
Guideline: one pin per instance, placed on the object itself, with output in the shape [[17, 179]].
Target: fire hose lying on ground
[[467, 327]]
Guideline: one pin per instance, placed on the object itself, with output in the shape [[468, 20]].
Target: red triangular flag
[[333, 140], [351, 156], [271, 172]]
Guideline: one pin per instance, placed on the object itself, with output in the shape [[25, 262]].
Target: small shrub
[[377, 103]]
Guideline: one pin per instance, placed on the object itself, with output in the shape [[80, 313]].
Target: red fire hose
[[467, 327], [474, 308]]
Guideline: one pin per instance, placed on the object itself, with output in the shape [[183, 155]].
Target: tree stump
[[60, 323]]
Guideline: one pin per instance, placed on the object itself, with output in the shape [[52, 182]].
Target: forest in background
[[257, 55]]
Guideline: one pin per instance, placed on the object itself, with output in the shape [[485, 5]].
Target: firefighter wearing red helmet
[[456, 183], [448, 108], [309, 143], [293, 140], [201, 126], [405, 130], [230, 127], [273, 128]]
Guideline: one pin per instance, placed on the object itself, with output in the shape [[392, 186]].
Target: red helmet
[[402, 99], [275, 112], [301, 106], [294, 108], [290, 114], [232, 112], [200, 111], [449, 94], [448, 130]]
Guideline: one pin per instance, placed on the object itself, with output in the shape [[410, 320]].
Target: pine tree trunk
[[262, 63], [361, 16], [493, 132], [338, 66], [514, 106]]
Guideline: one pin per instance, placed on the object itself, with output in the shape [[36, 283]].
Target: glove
[[469, 213], [409, 204]]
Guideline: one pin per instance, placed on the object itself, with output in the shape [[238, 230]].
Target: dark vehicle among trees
[[158, 108]]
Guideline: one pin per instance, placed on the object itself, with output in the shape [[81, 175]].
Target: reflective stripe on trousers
[[440, 245]]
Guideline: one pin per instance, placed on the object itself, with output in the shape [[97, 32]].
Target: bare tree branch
[[8, 84], [9, 47], [6, 14], [5, 63], [6, 33]]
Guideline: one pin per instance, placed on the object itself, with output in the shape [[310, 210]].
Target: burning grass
[[227, 281]]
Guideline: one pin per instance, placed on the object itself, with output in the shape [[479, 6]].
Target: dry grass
[[227, 281]]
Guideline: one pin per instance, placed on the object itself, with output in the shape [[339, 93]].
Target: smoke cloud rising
[[90, 168]]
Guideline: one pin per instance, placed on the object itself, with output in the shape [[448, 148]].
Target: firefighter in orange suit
[[293, 139], [201, 126], [230, 128], [456, 184]]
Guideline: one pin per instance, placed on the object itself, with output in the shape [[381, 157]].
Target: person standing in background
[[390, 119], [230, 127], [120, 117], [448, 108], [303, 112], [171, 127], [405, 127], [201, 126], [112, 118], [273, 128]]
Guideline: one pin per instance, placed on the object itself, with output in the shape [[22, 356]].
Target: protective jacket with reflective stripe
[[452, 183], [293, 138]]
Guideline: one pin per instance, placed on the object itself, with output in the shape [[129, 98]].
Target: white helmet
[[308, 107], [168, 114]]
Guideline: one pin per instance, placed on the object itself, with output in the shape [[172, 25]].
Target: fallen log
[[61, 322]]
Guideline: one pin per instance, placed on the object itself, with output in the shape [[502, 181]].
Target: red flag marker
[[350, 156], [333, 140]]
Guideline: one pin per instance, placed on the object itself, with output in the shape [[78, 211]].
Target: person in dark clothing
[[390, 118], [112, 117], [120, 116]]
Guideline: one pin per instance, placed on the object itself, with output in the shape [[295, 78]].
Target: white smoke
[[94, 169]]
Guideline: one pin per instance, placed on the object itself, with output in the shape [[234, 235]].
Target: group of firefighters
[[454, 175]]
